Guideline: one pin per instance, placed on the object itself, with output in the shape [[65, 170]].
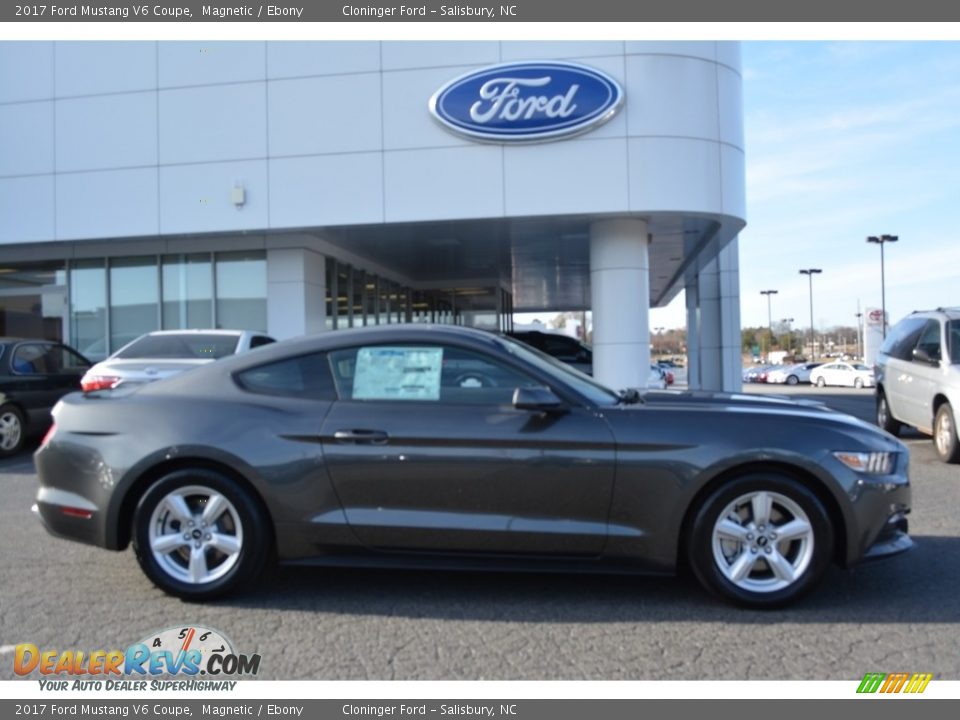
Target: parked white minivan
[[918, 378]]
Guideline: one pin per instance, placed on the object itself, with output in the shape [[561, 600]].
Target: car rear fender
[[142, 475]]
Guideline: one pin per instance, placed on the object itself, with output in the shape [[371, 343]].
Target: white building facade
[[297, 187]]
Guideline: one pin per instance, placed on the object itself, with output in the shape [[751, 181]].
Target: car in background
[[792, 374], [367, 447], [163, 353], [843, 374], [577, 355], [34, 375], [918, 378], [754, 374]]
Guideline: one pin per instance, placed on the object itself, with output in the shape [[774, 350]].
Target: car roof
[[202, 331], [952, 313]]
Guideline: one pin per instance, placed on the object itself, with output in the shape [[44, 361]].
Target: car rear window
[[195, 346], [307, 376]]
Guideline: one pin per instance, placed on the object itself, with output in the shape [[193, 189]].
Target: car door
[[42, 373], [921, 379], [427, 453]]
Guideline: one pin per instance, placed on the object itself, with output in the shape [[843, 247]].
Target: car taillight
[[49, 434], [98, 382]]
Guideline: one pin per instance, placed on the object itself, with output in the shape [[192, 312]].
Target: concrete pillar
[[296, 292], [692, 293], [713, 324], [620, 299]]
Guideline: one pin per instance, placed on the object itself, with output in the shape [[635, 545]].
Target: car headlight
[[871, 463]]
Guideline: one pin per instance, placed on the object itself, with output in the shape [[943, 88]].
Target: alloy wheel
[[11, 431], [195, 534], [763, 542]]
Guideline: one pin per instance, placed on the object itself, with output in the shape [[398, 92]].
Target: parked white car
[[792, 374], [163, 353], [843, 374]]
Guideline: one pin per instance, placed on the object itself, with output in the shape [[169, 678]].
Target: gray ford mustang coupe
[[437, 446]]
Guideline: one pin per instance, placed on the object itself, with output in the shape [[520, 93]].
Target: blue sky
[[846, 140]]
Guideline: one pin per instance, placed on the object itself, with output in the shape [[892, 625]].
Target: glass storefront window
[[134, 295], [187, 292], [33, 300], [88, 308], [242, 290]]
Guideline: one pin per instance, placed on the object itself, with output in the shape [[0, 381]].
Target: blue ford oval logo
[[527, 102]]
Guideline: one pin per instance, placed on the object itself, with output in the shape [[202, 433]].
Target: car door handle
[[370, 437]]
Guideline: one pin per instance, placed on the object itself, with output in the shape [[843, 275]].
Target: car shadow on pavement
[[920, 586]]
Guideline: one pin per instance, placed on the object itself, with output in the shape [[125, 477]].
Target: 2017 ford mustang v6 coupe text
[[447, 447]]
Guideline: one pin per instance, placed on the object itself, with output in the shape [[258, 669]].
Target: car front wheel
[[945, 435], [821, 382], [12, 431], [792, 380], [761, 540], [858, 383], [198, 534]]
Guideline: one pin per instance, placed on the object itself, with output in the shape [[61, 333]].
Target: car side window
[[424, 373], [307, 376], [953, 333], [37, 359], [903, 338], [930, 339], [260, 340]]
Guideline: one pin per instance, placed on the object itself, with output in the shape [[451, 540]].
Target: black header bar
[[573, 11]]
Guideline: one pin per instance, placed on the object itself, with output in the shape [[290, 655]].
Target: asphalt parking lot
[[308, 623]]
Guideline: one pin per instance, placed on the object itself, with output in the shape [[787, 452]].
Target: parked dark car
[[439, 446], [562, 347], [34, 374]]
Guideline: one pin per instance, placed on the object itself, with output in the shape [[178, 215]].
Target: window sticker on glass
[[397, 373]]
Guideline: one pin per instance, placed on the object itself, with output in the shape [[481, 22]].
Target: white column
[[692, 293], [296, 292], [713, 324], [620, 299]]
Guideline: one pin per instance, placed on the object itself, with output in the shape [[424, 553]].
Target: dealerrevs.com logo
[[894, 682], [184, 652]]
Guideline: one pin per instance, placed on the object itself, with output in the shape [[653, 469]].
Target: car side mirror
[[921, 355], [536, 398]]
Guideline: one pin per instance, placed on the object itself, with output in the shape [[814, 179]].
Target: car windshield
[[581, 382], [188, 346]]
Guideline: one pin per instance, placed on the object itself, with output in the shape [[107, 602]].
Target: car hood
[[741, 401]]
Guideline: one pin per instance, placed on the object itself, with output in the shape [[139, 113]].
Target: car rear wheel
[[12, 432], [761, 540], [821, 382], [884, 419], [793, 380], [198, 534], [945, 435]]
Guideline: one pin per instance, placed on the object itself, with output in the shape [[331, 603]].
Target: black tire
[[712, 557], [243, 518], [945, 435], [885, 420], [13, 430], [793, 380], [858, 383], [821, 382]]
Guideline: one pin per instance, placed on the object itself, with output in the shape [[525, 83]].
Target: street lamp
[[810, 272], [768, 293], [788, 323], [883, 289]]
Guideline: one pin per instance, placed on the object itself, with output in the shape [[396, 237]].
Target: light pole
[[883, 288], [768, 293], [858, 316], [810, 272], [788, 323]]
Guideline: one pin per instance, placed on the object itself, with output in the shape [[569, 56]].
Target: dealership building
[[300, 187]]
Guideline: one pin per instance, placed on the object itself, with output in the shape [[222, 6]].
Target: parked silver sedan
[[793, 374], [163, 353]]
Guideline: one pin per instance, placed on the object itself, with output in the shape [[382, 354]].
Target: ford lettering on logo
[[527, 102]]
